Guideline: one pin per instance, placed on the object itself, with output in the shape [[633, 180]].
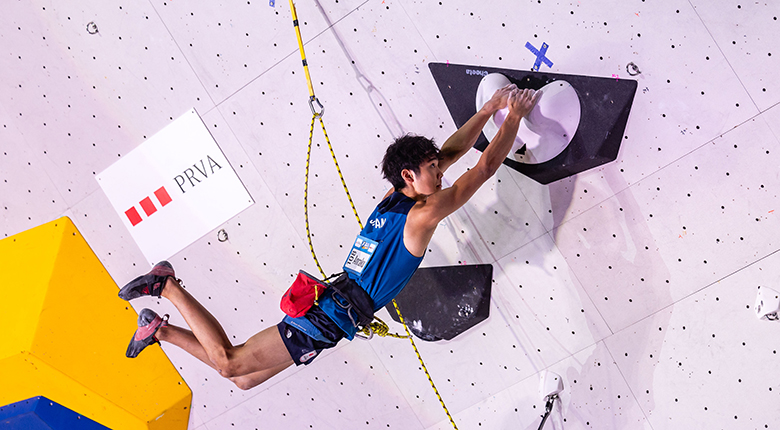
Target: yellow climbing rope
[[377, 327]]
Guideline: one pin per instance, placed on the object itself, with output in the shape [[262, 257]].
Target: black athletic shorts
[[303, 348]]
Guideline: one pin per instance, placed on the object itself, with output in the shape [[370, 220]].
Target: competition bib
[[361, 253]]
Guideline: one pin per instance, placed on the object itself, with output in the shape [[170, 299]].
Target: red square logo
[[133, 216], [148, 206], [163, 196]]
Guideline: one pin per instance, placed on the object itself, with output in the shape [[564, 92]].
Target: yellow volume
[[65, 332]]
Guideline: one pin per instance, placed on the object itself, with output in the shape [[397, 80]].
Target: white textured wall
[[634, 281]]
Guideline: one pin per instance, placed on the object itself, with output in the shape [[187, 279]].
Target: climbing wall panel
[[91, 96], [650, 231], [725, 350]]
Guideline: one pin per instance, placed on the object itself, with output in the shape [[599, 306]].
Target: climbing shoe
[[150, 284], [148, 324]]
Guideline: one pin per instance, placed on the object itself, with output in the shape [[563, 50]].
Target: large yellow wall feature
[[65, 332]]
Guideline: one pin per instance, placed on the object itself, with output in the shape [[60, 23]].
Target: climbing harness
[[377, 327]]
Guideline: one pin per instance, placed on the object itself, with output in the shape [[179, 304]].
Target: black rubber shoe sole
[[150, 284]]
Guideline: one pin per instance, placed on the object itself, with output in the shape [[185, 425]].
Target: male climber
[[398, 231]]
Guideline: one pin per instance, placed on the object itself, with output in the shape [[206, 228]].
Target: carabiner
[[370, 333], [319, 114]]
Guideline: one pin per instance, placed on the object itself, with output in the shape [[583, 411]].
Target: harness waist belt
[[351, 297]]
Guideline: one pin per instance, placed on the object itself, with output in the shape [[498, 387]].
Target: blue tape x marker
[[540, 58], [271, 3]]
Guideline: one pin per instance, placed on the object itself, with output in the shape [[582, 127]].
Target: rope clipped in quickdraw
[[312, 100], [379, 328]]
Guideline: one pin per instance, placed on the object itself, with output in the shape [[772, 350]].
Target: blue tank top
[[391, 264]]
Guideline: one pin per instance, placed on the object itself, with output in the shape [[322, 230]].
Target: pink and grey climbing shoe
[[148, 324], [150, 284]]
